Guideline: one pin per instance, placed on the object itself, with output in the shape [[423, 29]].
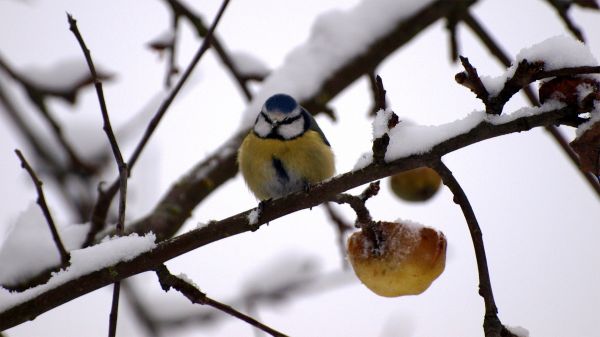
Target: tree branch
[[41, 201], [491, 324], [180, 9], [122, 166], [237, 224], [504, 59], [168, 281], [105, 198], [201, 180]]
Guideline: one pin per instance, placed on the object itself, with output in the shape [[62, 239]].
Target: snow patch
[[19, 260], [84, 261], [336, 37]]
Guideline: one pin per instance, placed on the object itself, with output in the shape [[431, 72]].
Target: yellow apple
[[417, 184], [405, 259]]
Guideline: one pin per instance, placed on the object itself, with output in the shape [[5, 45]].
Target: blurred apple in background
[[397, 258], [418, 184]]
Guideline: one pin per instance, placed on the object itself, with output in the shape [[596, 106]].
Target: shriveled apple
[[397, 258]]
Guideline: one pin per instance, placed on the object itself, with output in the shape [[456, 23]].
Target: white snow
[[187, 279], [408, 139], [556, 52], [380, 124], [19, 261], [517, 330], [61, 75], [84, 261], [363, 161], [594, 118], [248, 65], [411, 225], [336, 37], [253, 216], [163, 40]]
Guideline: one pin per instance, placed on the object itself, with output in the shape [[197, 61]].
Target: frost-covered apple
[[397, 258], [418, 184]]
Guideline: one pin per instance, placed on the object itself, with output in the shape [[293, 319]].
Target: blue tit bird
[[285, 152]]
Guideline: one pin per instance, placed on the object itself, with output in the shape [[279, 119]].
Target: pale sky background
[[539, 218]]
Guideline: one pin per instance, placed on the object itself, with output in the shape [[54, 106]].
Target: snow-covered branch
[[480, 127]]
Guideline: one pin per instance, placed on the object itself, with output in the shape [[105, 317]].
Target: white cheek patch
[[262, 127], [292, 130]]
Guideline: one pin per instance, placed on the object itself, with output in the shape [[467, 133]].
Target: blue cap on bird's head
[[281, 103]]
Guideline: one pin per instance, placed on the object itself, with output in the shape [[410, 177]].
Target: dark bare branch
[[180, 9], [122, 166], [238, 223], [491, 324], [41, 201], [101, 209], [168, 281]]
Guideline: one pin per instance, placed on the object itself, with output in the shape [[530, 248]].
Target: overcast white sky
[[539, 218]]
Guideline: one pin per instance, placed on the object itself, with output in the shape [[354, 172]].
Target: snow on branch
[[80, 279], [313, 90], [555, 57]]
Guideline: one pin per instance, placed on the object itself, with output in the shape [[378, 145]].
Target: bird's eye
[[290, 120]]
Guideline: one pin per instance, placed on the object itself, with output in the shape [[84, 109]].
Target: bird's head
[[280, 117]]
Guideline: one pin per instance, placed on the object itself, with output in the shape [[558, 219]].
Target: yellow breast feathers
[[273, 168]]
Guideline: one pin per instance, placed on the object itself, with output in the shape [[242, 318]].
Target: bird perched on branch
[[285, 152]]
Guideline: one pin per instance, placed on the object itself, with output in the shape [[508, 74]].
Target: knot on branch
[[364, 220], [168, 281]]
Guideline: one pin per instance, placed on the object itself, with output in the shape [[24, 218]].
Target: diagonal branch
[[562, 8], [38, 97], [168, 281], [180, 9], [491, 324], [122, 166], [41, 200], [105, 198], [239, 223], [202, 179]]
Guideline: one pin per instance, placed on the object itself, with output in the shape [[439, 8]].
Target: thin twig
[[180, 9], [238, 223], [168, 281], [364, 221], [114, 310], [172, 51], [381, 143], [141, 311], [470, 78], [26, 130], [37, 96], [122, 166], [41, 201], [105, 198], [562, 8], [375, 84], [492, 325]]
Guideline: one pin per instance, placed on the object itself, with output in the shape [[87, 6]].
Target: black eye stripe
[[266, 117], [290, 120], [283, 122]]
